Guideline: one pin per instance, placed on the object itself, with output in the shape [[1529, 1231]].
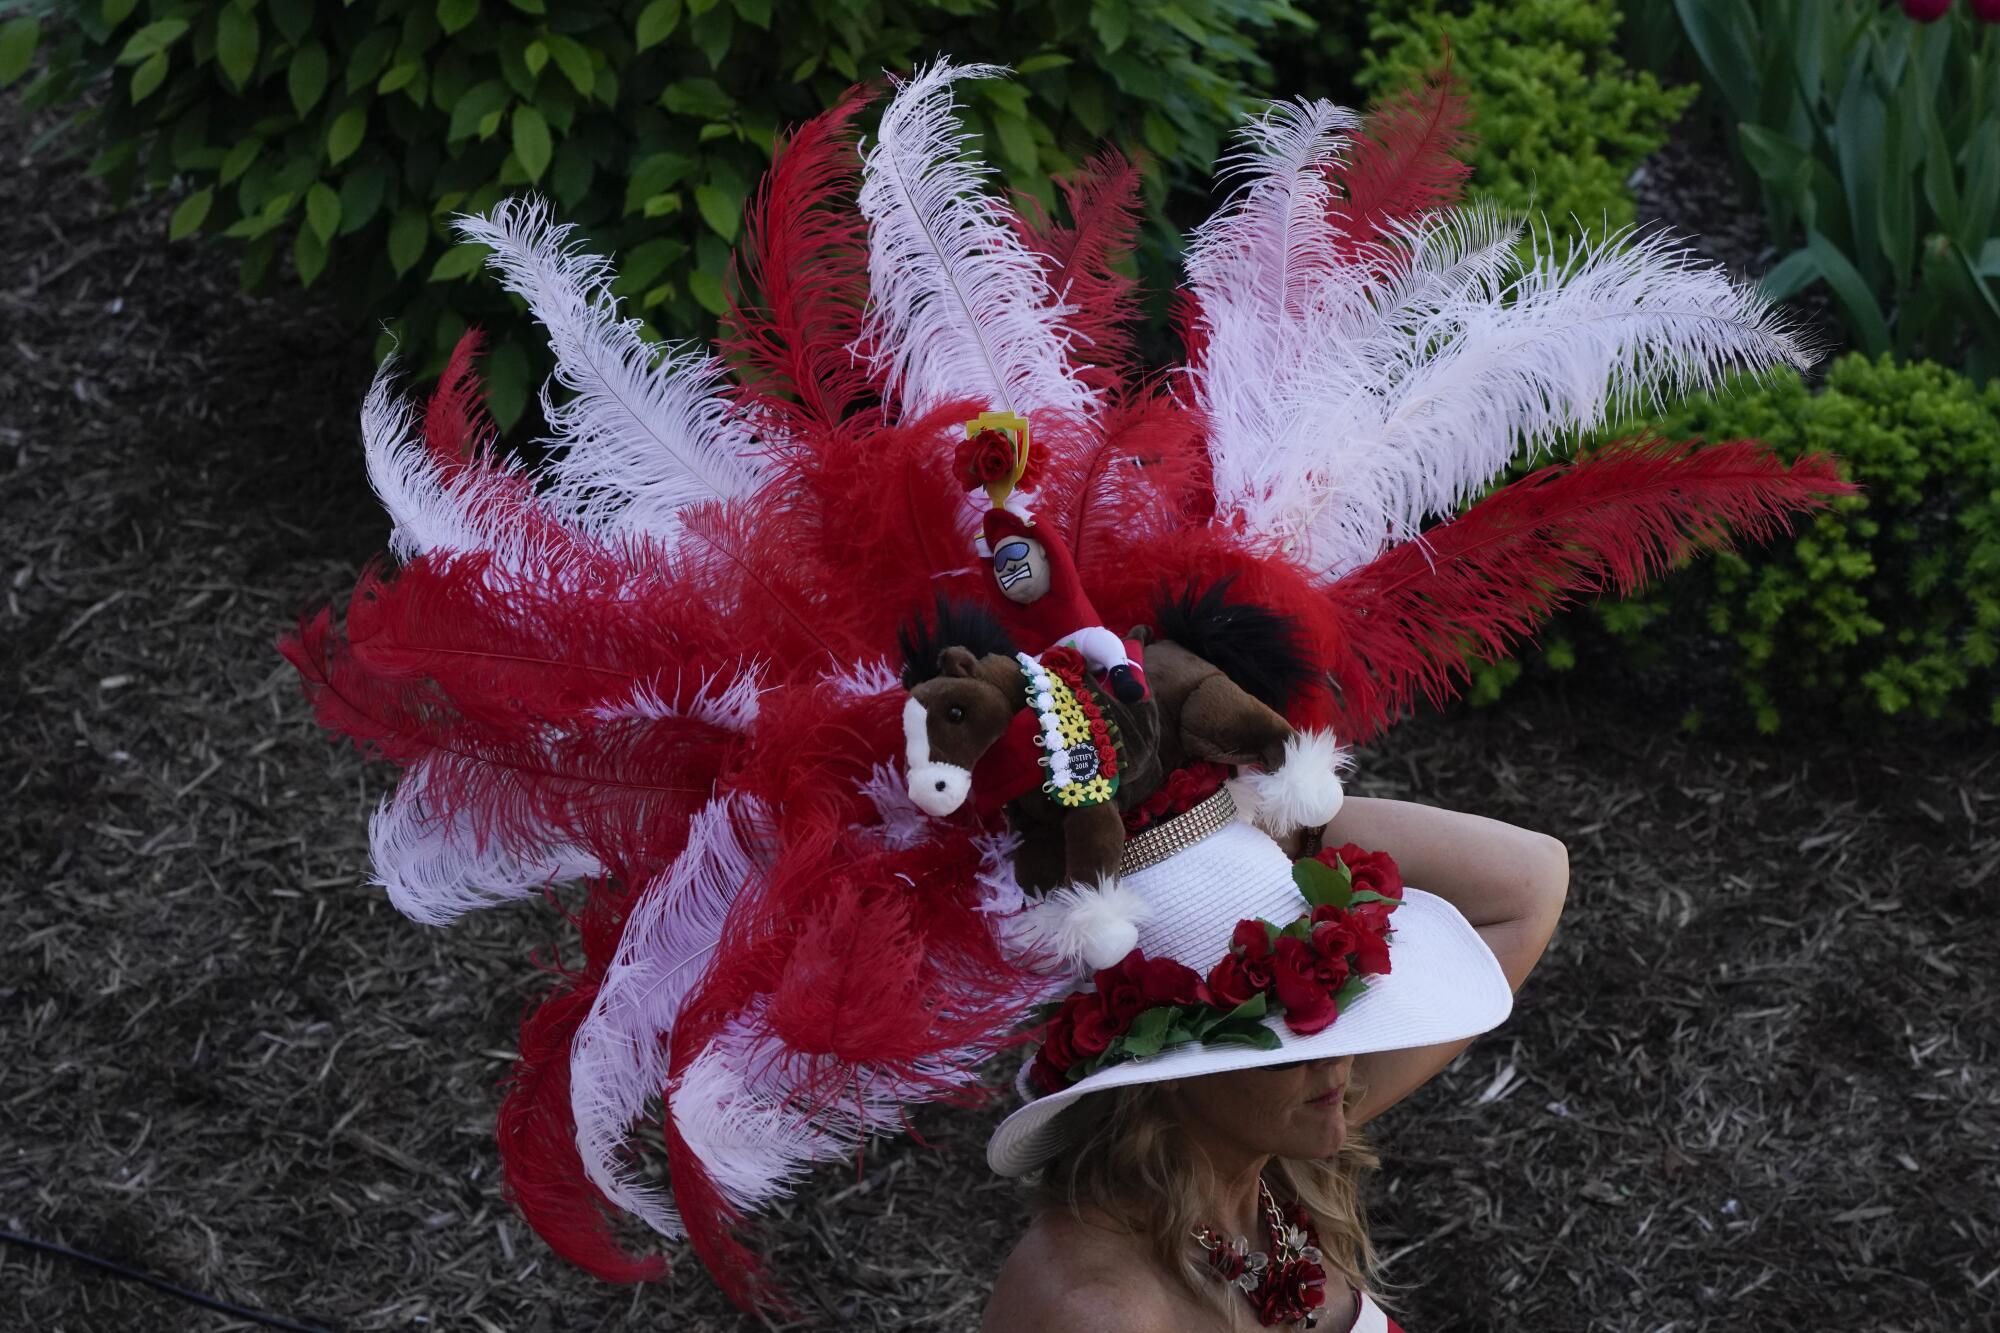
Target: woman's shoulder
[[1078, 1272]]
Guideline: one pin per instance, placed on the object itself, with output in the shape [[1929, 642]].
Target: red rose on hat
[[1230, 983], [1371, 946], [1295, 975], [1121, 990], [1333, 941], [1095, 1030], [1057, 1046], [1375, 872], [1251, 939], [1168, 982]]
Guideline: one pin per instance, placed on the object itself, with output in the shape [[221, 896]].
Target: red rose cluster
[[1184, 789], [1373, 872], [1086, 1023], [1299, 970]]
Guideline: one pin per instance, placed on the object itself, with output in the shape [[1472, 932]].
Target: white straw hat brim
[[1443, 985]]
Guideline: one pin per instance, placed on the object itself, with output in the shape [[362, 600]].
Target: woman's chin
[[1319, 1134]]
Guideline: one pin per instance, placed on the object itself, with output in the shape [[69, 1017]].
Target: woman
[[669, 670], [1129, 1174]]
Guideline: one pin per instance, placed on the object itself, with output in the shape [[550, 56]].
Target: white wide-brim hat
[[1443, 984]]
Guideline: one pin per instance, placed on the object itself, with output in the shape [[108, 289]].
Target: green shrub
[[1886, 605], [1561, 120], [343, 136]]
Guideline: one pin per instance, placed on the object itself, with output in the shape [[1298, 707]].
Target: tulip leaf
[[1855, 297]]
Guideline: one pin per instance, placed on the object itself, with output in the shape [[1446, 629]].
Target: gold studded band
[[1184, 830]]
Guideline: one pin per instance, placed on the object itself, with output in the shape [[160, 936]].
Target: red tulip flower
[[1986, 11], [1926, 11]]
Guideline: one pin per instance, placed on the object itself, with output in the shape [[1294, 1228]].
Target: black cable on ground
[[158, 1283]]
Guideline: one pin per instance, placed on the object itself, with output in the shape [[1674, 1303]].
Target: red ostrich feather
[[1080, 259], [872, 969], [1483, 581], [505, 647], [624, 789], [535, 1130], [455, 417], [1141, 472], [795, 314], [1405, 162]]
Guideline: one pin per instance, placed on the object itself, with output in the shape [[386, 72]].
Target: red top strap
[[1011, 767]]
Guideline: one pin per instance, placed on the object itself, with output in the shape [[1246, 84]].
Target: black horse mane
[[1253, 645], [966, 625]]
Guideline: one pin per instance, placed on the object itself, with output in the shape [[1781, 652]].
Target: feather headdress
[[663, 664]]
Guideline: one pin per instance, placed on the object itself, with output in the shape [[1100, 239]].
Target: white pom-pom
[[1088, 926], [1305, 790]]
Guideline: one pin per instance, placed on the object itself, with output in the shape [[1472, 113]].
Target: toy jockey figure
[[1041, 598]]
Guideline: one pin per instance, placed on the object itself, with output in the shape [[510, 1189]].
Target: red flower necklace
[[1287, 1283]]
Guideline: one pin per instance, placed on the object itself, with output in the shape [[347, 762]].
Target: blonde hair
[[1125, 1155]]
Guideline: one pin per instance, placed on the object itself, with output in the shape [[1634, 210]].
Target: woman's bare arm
[[1509, 882]]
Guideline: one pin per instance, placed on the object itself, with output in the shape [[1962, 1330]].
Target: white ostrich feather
[[1507, 368], [1263, 271], [618, 1060], [753, 1144], [902, 824], [428, 509], [958, 306], [734, 1111], [1349, 402], [437, 867], [861, 679], [1000, 891], [646, 431], [1271, 245], [729, 702]]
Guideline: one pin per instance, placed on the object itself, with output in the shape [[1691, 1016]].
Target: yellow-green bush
[[1561, 119], [1884, 606]]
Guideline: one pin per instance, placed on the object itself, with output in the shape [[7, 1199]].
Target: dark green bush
[[1561, 120], [343, 136], [1885, 606]]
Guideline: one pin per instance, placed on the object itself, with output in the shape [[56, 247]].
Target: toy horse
[[1040, 738], [1043, 740]]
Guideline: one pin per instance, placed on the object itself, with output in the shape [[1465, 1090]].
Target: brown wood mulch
[[1753, 1086]]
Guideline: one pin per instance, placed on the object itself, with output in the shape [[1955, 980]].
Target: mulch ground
[[1752, 1087]]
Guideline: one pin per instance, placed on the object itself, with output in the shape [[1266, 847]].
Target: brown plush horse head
[[955, 717]]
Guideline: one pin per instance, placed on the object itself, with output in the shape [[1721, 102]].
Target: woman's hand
[[1508, 882]]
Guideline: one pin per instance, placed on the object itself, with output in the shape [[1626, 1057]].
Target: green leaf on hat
[[1323, 885], [1148, 1032], [1349, 993], [1253, 1008], [1370, 896], [1255, 1035]]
